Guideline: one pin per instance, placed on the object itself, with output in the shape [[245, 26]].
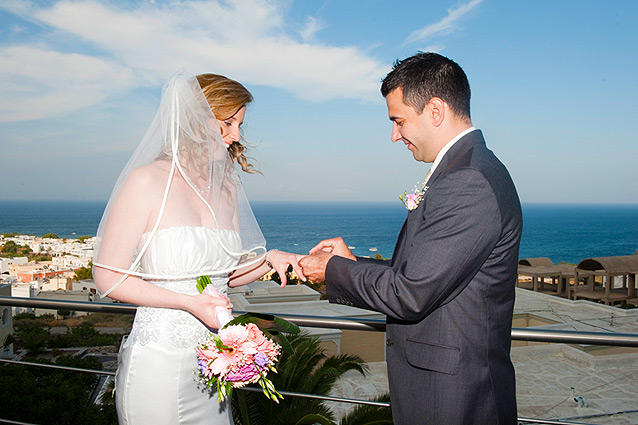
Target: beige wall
[[6, 321], [369, 345]]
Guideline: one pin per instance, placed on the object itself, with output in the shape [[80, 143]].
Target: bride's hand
[[281, 260], [203, 307]]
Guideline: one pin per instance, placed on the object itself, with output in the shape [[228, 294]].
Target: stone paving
[[353, 385], [550, 377]]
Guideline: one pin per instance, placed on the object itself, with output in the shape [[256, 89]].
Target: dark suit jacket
[[448, 294]]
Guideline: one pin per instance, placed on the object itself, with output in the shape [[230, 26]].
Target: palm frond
[[299, 408], [370, 415], [245, 408], [307, 369], [324, 375], [313, 419]]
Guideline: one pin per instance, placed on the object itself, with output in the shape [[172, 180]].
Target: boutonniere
[[411, 201]]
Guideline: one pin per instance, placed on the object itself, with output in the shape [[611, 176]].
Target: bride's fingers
[[282, 275], [293, 260], [297, 268], [221, 301]]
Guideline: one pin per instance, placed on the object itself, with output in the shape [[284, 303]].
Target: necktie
[[427, 177]]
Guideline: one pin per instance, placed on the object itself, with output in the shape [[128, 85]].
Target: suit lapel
[[398, 248], [408, 230], [416, 216]]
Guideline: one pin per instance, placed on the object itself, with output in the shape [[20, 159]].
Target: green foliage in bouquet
[[272, 326]]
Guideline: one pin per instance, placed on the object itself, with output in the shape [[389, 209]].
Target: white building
[[86, 293], [21, 239], [25, 290], [62, 262], [6, 262], [83, 251], [69, 290], [57, 283]]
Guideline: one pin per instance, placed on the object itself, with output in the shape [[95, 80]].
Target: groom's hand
[[314, 266], [334, 246]]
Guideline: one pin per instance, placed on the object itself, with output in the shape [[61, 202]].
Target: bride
[[178, 211]]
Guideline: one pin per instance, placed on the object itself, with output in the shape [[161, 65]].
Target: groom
[[448, 291]]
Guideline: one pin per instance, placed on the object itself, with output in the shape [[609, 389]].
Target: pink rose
[[412, 201], [255, 334]]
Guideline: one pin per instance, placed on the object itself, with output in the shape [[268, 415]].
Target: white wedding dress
[[155, 381]]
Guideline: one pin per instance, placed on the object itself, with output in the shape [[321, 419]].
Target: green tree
[[10, 247], [84, 272], [308, 370], [24, 316], [51, 396], [83, 238], [32, 336], [64, 313], [25, 250], [50, 236], [84, 335], [39, 257]]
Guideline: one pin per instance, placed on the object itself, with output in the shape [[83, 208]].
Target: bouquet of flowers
[[243, 352]]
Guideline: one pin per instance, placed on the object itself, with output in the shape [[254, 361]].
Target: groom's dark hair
[[427, 75]]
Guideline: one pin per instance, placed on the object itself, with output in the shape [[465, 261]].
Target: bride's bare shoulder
[[149, 178]]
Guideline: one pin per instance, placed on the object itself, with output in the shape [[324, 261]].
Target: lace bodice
[[175, 251]]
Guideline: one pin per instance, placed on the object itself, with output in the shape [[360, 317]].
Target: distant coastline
[[562, 232]]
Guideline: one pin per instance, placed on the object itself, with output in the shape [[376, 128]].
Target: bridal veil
[[185, 139]]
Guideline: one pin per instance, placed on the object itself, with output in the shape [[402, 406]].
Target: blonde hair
[[225, 98]]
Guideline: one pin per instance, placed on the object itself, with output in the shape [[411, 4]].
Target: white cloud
[[445, 26], [312, 27], [144, 44], [38, 83], [18, 7]]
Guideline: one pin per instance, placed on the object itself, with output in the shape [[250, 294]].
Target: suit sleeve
[[460, 227]]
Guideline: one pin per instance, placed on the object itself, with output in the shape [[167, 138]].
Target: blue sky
[[554, 89]]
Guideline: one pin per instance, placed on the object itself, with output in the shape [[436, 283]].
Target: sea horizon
[[296, 201], [565, 232]]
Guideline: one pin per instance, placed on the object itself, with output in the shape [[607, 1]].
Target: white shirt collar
[[444, 150]]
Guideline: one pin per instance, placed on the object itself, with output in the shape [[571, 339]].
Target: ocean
[[564, 233]]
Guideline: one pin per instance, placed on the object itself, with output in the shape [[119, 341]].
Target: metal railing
[[518, 334]]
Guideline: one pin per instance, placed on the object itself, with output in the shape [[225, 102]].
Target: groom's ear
[[436, 109]]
